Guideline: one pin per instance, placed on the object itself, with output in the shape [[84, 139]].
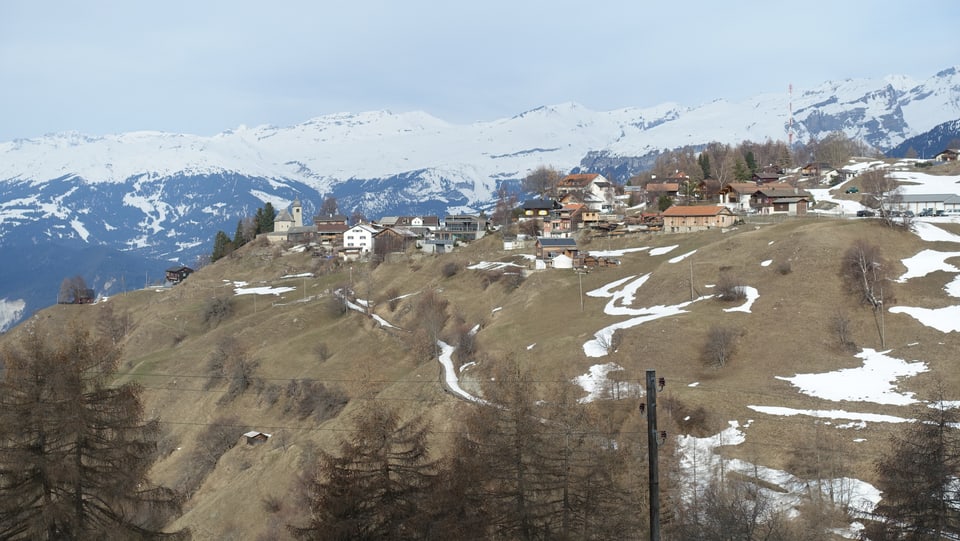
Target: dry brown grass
[[541, 325]]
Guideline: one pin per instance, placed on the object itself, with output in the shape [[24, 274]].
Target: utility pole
[[653, 438]]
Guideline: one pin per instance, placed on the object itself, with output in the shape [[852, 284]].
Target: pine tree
[[74, 450], [751, 162], [265, 218], [704, 161], [238, 237], [222, 246]]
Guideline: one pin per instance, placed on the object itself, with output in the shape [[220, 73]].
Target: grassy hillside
[[302, 335]]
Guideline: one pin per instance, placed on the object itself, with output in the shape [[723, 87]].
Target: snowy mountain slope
[[163, 196]]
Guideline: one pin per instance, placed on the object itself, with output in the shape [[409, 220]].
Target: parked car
[[940, 213], [866, 213], [853, 189], [908, 213], [926, 212]]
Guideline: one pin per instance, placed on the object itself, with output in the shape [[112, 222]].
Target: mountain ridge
[[163, 196]]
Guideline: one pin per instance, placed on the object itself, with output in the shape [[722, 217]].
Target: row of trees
[[517, 470], [247, 229]]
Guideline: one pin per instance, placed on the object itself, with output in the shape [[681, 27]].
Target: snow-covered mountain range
[[159, 197]]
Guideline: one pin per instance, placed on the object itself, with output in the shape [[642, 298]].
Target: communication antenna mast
[[790, 121]]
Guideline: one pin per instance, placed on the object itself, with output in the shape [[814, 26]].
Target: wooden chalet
[[178, 273], [548, 248], [780, 199]]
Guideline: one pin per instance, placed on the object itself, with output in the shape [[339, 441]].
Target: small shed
[[178, 274], [256, 438]]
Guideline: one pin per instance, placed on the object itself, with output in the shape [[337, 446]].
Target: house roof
[[333, 218], [740, 187], [557, 242], [365, 227], [927, 197], [791, 199], [777, 192], [254, 434], [537, 204], [401, 231], [662, 187], [284, 216], [696, 210], [578, 180], [179, 268]]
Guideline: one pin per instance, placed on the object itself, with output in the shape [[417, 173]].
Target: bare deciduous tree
[[72, 289], [881, 191], [542, 181], [866, 274]]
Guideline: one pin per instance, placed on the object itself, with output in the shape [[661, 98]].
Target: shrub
[[393, 299], [322, 351], [730, 288], [784, 268], [720, 346], [211, 444], [308, 398], [449, 269], [216, 310]]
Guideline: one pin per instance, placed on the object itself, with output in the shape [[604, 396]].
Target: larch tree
[[548, 471], [74, 448], [918, 477], [378, 484]]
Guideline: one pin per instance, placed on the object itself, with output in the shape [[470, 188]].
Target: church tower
[[297, 213]]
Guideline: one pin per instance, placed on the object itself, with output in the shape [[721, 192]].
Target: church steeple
[[297, 213]]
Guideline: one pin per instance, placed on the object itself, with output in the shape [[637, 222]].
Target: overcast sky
[[204, 66]]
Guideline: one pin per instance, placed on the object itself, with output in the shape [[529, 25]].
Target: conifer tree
[[222, 246], [377, 486], [918, 479], [74, 449]]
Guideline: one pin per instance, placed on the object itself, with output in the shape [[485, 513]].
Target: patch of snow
[[830, 414], [872, 382], [597, 386], [450, 375], [301, 275], [926, 262], [383, 322], [618, 253], [264, 290], [680, 258], [663, 249], [946, 319], [752, 295], [766, 263]]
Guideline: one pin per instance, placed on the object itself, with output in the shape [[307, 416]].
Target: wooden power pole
[[653, 438]]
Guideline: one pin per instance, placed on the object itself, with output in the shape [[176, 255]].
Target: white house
[[597, 192], [360, 236]]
